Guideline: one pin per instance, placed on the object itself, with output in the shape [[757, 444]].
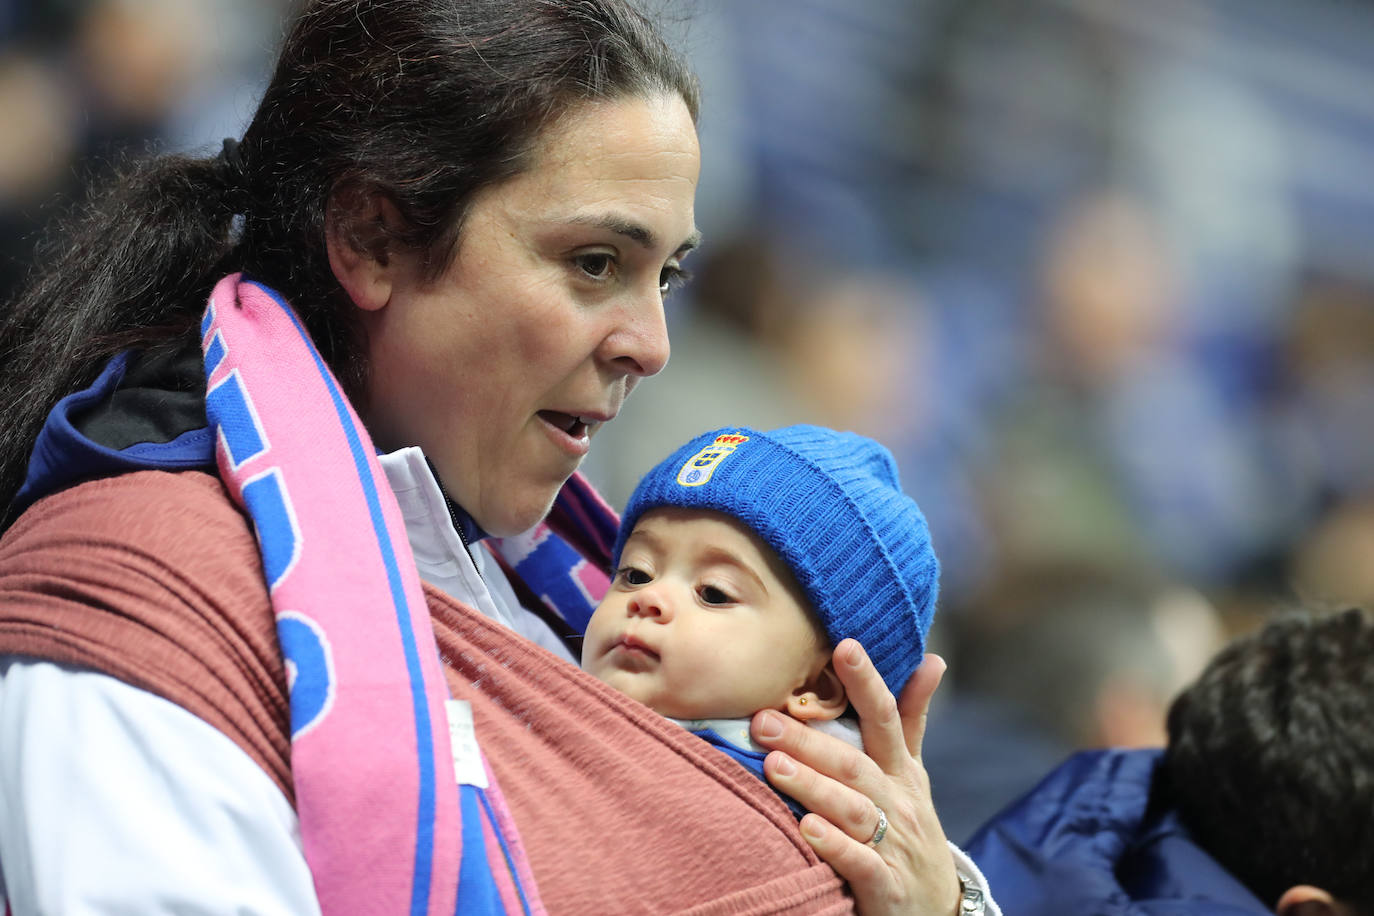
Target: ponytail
[[131, 268]]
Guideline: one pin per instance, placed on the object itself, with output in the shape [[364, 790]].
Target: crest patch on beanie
[[698, 469]]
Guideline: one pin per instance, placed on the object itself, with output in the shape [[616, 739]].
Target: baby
[[742, 559]]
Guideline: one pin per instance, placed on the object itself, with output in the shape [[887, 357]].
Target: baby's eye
[[713, 595], [633, 576], [598, 265]]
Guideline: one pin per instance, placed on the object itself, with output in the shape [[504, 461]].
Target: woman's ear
[[820, 699], [358, 226]]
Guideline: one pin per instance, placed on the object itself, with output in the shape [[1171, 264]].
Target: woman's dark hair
[[424, 102], [1269, 757]]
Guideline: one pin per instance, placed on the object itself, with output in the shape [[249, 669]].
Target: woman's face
[[551, 311]]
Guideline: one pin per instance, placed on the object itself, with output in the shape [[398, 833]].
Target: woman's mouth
[[574, 426], [571, 432]]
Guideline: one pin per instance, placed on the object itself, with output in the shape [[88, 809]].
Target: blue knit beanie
[[829, 504]]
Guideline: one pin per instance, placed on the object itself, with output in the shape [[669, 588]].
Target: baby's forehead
[[678, 528], [671, 524], [707, 533]]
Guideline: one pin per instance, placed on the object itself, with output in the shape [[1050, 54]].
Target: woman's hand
[[910, 870]]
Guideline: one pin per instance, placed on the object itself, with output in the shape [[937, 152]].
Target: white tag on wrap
[[462, 738]]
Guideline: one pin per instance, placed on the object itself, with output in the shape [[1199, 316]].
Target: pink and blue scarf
[[384, 824]]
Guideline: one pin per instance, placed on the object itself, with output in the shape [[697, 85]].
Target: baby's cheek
[[592, 641]]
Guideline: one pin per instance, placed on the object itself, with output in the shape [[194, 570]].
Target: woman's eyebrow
[[636, 232]]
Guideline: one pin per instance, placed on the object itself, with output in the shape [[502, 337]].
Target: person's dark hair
[[1271, 757], [424, 102]]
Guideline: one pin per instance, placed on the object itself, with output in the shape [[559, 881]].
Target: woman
[[474, 209]]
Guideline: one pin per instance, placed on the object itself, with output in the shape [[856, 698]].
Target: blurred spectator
[[180, 74], [1092, 659], [1049, 662], [135, 60], [35, 155], [1328, 402], [86, 82], [1332, 565], [1118, 447]]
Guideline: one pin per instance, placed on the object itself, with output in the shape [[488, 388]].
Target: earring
[[802, 701]]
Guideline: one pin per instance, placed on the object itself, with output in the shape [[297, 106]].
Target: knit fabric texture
[[830, 505]]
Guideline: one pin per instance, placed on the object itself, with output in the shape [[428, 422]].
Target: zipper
[[455, 516]]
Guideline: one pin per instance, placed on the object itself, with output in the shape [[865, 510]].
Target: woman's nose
[[638, 346]]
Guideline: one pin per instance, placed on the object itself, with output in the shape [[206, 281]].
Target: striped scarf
[[376, 742]]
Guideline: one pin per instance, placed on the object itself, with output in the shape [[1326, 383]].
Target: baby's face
[[702, 621]]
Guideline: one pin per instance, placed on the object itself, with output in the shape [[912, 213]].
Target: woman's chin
[[519, 513]]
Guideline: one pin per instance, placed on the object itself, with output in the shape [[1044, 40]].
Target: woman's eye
[[632, 576], [712, 595], [671, 277], [598, 266]]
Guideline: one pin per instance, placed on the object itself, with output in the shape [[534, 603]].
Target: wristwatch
[[970, 900]]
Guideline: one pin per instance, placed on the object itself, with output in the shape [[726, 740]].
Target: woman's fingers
[[820, 771], [776, 730], [848, 809], [861, 866], [914, 704], [879, 718], [909, 872]]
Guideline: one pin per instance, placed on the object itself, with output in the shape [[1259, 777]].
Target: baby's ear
[[1306, 900], [820, 699]]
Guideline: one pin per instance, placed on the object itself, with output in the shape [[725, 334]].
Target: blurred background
[[1100, 273]]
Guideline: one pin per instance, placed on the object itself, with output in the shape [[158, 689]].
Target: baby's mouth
[[633, 646]]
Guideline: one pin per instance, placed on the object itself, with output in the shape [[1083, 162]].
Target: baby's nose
[[651, 602]]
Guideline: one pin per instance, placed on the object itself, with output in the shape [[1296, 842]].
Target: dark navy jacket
[[1086, 842], [141, 413]]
